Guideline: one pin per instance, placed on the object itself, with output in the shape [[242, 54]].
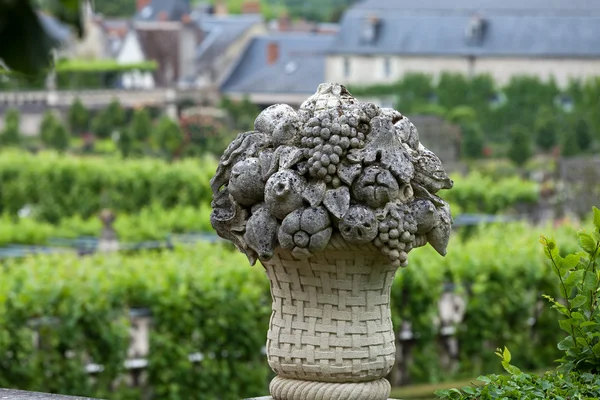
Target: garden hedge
[[61, 186], [208, 299]]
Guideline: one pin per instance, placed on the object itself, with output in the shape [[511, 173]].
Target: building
[[279, 68], [381, 40]]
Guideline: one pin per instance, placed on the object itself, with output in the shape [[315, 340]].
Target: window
[[346, 67], [387, 67]]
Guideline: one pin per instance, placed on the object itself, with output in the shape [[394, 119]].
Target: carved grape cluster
[[334, 167]]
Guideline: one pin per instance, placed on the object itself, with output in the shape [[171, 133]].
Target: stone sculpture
[[331, 198]]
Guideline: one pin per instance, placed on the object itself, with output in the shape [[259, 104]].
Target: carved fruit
[[305, 231], [280, 121], [359, 225], [425, 214], [246, 184], [283, 192], [376, 187]]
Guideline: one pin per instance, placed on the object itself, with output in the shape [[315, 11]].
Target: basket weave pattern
[[331, 317]]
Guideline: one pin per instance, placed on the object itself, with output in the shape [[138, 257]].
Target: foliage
[[125, 143], [101, 125], [202, 299], [579, 276], [546, 129], [570, 145], [582, 134], [167, 136], [70, 66], [61, 186], [519, 385], [54, 133], [472, 141], [11, 135], [116, 8], [141, 125], [151, 223], [578, 373], [78, 117], [242, 113], [520, 149], [479, 193]]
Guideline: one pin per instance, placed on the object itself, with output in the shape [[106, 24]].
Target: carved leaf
[[348, 172], [337, 201], [315, 193], [289, 156]]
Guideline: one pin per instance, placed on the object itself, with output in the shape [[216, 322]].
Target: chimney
[[251, 7], [220, 8], [163, 16], [272, 53], [476, 30], [186, 19], [141, 4], [284, 23]]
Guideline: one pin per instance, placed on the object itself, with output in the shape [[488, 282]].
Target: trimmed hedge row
[[207, 299], [61, 186], [204, 299]]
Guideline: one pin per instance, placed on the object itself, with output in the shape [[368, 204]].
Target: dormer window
[[476, 30], [370, 30]]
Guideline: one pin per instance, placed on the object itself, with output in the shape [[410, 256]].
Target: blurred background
[[112, 281]]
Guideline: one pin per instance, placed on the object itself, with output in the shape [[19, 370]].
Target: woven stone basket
[[330, 334]]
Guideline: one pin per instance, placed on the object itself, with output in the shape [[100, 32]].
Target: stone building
[[381, 40]]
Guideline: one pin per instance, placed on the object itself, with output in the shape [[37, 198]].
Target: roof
[[550, 28], [220, 33], [54, 28], [496, 7], [299, 69], [174, 9]]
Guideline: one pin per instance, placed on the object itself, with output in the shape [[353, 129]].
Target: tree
[[520, 149], [53, 133], [472, 141], [101, 125], [11, 135], [125, 143], [116, 8], [582, 134], [570, 147], [26, 45], [79, 117], [115, 114], [167, 136], [546, 126], [141, 125]]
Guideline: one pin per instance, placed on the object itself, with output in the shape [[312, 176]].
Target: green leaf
[[588, 323], [579, 300], [566, 344], [577, 316], [506, 355], [587, 243], [571, 281], [596, 217], [571, 261], [566, 324], [596, 349]]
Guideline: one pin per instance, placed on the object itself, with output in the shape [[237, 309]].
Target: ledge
[[6, 394]]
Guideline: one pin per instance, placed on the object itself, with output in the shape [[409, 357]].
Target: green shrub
[[54, 134], [578, 375], [141, 125], [520, 149], [546, 129], [61, 186], [479, 193], [11, 134], [472, 141], [167, 136], [79, 117], [202, 300]]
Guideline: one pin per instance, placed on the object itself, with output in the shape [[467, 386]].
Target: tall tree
[[11, 134], [520, 149], [79, 117]]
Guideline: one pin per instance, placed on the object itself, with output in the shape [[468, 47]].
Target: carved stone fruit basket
[[330, 198]]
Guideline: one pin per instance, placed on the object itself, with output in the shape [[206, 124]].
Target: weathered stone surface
[[8, 394], [335, 154]]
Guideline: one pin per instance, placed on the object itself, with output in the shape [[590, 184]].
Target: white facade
[[131, 53]]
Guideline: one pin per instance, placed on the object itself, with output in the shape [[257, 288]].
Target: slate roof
[[54, 28], [220, 33], [175, 9], [544, 28], [299, 69]]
